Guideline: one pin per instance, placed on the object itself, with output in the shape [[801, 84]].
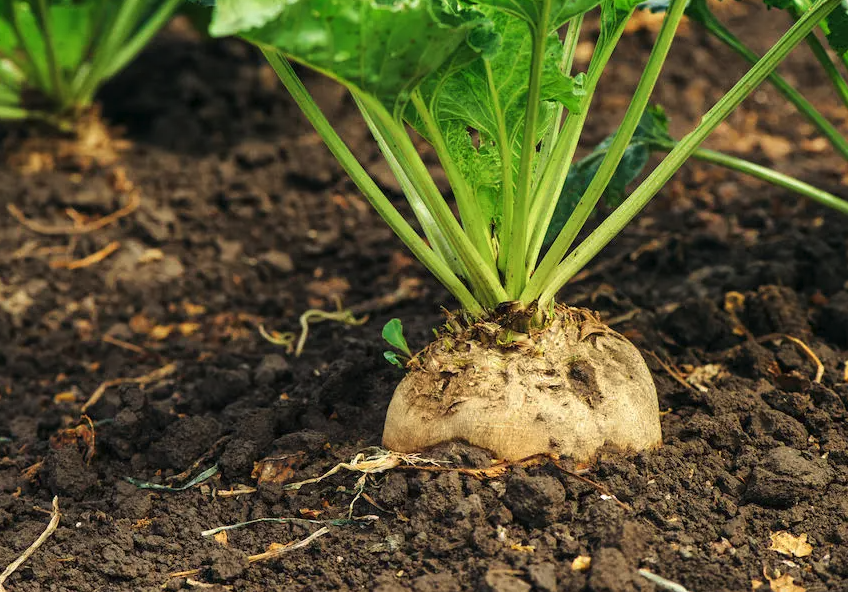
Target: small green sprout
[[393, 334]]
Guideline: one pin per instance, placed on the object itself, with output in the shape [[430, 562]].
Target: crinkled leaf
[[614, 13], [532, 11], [461, 101], [233, 17], [393, 334], [652, 130], [462, 93], [479, 165], [381, 47]]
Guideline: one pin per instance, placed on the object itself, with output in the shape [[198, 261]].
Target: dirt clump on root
[[569, 388]]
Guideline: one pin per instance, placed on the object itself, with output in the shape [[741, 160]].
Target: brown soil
[[243, 212]]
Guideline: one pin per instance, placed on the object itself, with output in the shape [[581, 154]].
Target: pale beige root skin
[[566, 390]]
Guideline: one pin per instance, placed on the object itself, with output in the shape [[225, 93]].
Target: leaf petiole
[[515, 268], [546, 193], [616, 149], [469, 210], [770, 176]]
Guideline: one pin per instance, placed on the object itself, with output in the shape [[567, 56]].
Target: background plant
[[55, 54]]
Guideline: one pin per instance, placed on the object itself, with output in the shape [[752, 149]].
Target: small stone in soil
[[278, 260], [254, 154], [229, 251], [785, 477], [499, 580], [534, 501], [543, 576], [273, 367]]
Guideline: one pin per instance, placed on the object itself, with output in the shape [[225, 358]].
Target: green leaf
[[393, 334], [651, 131], [533, 11], [837, 22], [232, 17], [614, 13], [381, 47], [461, 99], [394, 359]]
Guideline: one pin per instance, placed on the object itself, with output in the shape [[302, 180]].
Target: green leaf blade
[[488, 95], [533, 12], [393, 359], [380, 47], [393, 335]]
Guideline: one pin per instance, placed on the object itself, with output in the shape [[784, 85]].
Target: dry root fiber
[[566, 389]]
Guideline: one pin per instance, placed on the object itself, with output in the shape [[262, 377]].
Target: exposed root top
[[510, 327]]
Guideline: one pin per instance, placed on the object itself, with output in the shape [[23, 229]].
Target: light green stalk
[[372, 192], [556, 168], [569, 49], [482, 276], [829, 68], [619, 144], [469, 209], [428, 224], [515, 269]]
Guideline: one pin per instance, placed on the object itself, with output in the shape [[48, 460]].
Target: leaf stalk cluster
[[503, 112]]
